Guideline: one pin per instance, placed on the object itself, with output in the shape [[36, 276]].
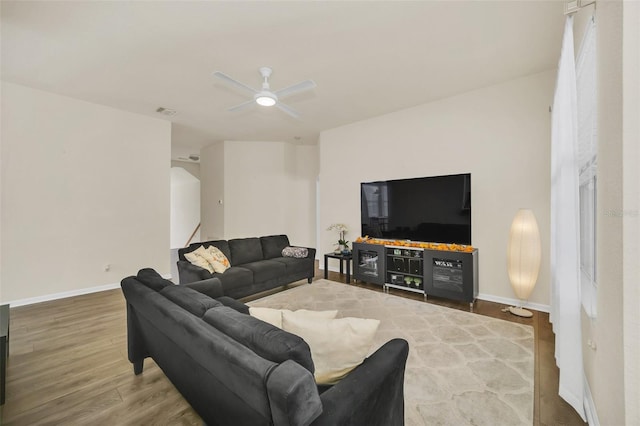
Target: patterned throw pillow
[[211, 259], [217, 259], [297, 252], [196, 258]]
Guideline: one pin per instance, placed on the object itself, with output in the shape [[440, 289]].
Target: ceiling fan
[[265, 96]]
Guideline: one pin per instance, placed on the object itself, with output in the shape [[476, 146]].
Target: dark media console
[[448, 274]]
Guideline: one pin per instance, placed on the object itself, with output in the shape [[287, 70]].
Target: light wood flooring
[[68, 366]]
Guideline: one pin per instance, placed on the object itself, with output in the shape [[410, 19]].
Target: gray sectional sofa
[[257, 264], [237, 370]]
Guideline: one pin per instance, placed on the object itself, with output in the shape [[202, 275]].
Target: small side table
[[346, 258]]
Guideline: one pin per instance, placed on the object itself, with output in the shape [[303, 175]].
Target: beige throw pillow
[[217, 259], [211, 259], [337, 346], [274, 316], [196, 258]]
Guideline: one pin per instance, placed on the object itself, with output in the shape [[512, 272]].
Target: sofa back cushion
[[190, 299], [264, 339], [273, 245], [245, 250], [152, 279], [233, 303]]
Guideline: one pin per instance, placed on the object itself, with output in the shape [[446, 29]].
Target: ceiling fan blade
[[296, 88], [242, 106], [288, 110], [223, 76]]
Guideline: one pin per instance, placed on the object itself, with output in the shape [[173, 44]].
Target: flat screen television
[[430, 209]]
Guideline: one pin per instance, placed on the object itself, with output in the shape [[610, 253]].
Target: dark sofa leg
[[309, 280], [137, 367]]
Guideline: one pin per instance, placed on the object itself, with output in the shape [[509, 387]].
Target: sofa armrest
[[190, 273], [293, 396], [212, 287], [312, 252], [372, 394]]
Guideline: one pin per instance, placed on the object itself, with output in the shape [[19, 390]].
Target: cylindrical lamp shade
[[523, 253]]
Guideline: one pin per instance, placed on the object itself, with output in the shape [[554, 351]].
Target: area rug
[[463, 368]]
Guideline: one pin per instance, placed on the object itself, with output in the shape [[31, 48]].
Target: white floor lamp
[[523, 258]]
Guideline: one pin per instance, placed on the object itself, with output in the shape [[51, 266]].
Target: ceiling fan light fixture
[[265, 96], [266, 99]]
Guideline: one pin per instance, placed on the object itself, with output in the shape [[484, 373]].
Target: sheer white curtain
[[588, 164], [565, 229]]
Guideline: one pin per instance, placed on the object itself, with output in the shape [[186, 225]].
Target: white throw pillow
[[211, 259], [337, 346], [197, 257], [274, 316]]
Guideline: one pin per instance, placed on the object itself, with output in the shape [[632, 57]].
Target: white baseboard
[[514, 302], [70, 293]]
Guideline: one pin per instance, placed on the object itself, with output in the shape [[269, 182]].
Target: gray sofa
[[257, 264], [237, 370]]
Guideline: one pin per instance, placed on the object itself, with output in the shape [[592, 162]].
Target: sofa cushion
[[273, 245], [337, 346], [245, 250], [190, 299], [152, 279], [266, 270], [264, 339], [296, 265], [235, 277]]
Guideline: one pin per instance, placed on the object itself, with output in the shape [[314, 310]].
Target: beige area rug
[[463, 368]]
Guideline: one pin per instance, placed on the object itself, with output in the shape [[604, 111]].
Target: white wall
[[1, 191], [255, 189], [185, 207], [500, 134], [193, 168], [301, 168], [83, 186], [212, 192], [631, 205], [612, 367], [265, 187]]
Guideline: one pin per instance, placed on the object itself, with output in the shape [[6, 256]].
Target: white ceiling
[[367, 58]]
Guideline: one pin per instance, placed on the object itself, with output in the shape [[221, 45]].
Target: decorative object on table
[[342, 244], [523, 258]]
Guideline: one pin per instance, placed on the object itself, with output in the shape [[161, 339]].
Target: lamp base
[[520, 312]]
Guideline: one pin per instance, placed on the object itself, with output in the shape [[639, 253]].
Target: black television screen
[[431, 209]]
